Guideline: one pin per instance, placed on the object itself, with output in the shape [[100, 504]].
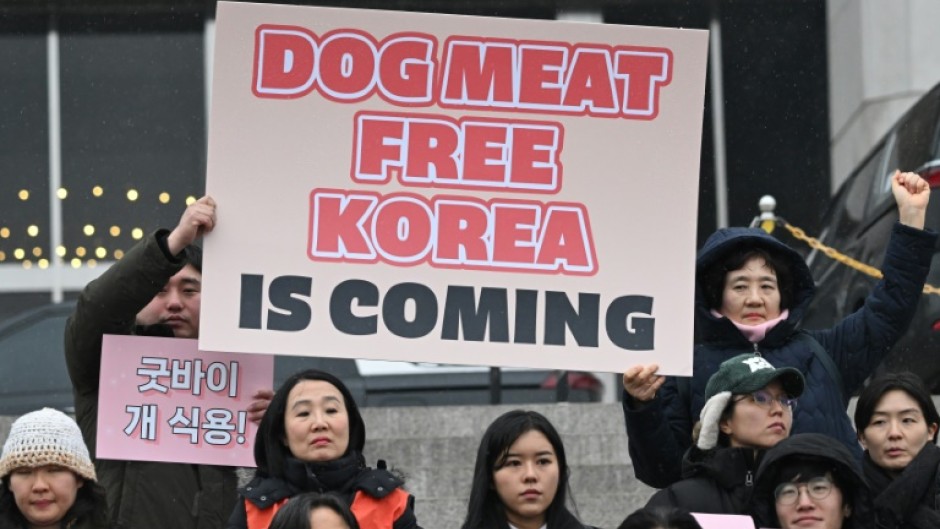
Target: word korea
[[348, 65]]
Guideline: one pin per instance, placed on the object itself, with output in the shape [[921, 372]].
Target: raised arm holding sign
[[154, 290]]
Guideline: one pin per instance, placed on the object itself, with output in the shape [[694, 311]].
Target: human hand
[[196, 221], [911, 193], [259, 404], [642, 382]]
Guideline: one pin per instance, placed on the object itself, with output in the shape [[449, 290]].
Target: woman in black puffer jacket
[[311, 440]]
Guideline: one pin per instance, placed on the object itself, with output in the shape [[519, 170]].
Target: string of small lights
[[79, 255]]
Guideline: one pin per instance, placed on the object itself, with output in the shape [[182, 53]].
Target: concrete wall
[[883, 55]]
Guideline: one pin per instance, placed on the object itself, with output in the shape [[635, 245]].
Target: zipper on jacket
[[749, 479], [756, 350]]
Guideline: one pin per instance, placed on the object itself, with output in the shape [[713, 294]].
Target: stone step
[[585, 480], [599, 510], [411, 454], [440, 514], [608, 510], [472, 421]]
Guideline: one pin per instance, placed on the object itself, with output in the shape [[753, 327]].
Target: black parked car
[[33, 373], [858, 223]]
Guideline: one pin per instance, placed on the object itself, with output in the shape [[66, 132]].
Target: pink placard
[[162, 399], [723, 521]]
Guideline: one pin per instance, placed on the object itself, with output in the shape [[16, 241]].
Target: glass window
[[133, 127], [24, 142], [857, 194]]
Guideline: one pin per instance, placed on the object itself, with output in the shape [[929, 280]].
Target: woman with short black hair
[[897, 424]]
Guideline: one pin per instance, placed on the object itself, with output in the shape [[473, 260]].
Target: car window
[[856, 197], [32, 365], [913, 144]]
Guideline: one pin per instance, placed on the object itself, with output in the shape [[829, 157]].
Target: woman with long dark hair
[[48, 479], [520, 479], [311, 440]]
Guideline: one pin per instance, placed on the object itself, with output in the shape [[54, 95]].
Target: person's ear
[[725, 426], [846, 511], [932, 430], [861, 439]]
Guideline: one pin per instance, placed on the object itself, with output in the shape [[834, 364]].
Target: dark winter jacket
[[660, 431], [909, 500], [141, 495], [345, 477], [716, 481], [822, 448]]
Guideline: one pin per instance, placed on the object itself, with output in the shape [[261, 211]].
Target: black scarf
[[906, 501], [335, 476]]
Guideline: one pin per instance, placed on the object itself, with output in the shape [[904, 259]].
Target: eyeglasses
[[817, 488], [764, 399]]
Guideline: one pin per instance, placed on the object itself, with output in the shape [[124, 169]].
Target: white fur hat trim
[[710, 417]]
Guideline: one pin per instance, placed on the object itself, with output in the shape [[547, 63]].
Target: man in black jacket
[[154, 290]]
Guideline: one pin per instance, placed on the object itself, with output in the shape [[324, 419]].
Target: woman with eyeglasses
[[897, 424], [810, 481], [749, 410]]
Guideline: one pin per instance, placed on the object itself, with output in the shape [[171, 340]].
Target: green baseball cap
[[750, 372]]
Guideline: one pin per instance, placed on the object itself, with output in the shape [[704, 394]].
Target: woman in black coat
[[311, 440], [897, 424], [749, 409]]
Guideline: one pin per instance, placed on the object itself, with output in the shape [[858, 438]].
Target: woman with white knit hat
[[749, 409], [47, 476]]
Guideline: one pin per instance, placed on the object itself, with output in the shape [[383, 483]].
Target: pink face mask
[[755, 333]]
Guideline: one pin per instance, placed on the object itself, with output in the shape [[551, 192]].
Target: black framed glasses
[[765, 399], [817, 488]]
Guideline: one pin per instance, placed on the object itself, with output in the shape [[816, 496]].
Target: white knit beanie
[[46, 437]]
